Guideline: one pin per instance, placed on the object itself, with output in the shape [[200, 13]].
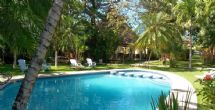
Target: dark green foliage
[[22, 22], [104, 34], [103, 45], [207, 91], [1, 41], [41, 12], [206, 21], [65, 38], [172, 63], [155, 6]]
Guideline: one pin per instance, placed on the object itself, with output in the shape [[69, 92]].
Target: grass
[[181, 70], [9, 70]]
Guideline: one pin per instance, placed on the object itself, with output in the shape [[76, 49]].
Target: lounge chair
[[73, 62], [45, 66], [22, 65], [210, 72], [90, 62]]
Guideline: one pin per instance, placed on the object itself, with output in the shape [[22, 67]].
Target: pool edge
[[178, 83]]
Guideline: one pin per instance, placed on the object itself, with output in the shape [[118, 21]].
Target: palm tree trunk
[[55, 61], [14, 59], [25, 90], [3, 52], [190, 49]]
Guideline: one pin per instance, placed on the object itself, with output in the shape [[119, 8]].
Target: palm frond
[[160, 33]]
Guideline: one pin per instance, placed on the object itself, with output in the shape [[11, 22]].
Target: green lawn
[[181, 70]]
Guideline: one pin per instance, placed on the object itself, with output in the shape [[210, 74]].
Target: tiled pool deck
[[179, 85]]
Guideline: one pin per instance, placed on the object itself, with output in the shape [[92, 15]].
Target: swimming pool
[[102, 91]]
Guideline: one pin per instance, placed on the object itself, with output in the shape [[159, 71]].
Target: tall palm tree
[[45, 38], [205, 14], [160, 33], [17, 27], [1, 41], [70, 20], [159, 5], [185, 13]]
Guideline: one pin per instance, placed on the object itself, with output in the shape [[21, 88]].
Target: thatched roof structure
[[128, 35]]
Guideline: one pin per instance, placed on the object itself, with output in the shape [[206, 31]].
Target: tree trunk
[[93, 17], [3, 52], [55, 59], [14, 59], [190, 49], [149, 58], [76, 53], [132, 55], [123, 61], [116, 55], [26, 87], [141, 55]]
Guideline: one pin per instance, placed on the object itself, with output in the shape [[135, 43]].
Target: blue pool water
[[89, 92]]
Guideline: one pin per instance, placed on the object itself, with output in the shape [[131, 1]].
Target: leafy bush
[[172, 63], [163, 104], [171, 102], [208, 90]]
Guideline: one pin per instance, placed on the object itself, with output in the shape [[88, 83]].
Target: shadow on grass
[[8, 69], [176, 69]]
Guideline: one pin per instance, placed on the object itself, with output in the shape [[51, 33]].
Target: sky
[[132, 9]]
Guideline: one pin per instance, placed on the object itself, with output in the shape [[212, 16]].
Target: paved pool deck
[[179, 85]]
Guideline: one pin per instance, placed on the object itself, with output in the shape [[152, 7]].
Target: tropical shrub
[[172, 63], [208, 56], [208, 90], [171, 102]]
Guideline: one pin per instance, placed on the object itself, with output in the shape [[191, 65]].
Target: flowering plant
[[207, 91], [207, 77]]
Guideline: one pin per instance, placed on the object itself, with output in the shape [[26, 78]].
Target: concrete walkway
[[179, 85]]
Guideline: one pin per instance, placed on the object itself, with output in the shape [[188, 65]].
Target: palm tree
[[160, 33], [45, 38], [1, 41], [205, 14], [2, 45], [17, 28], [17, 44], [157, 6], [185, 13]]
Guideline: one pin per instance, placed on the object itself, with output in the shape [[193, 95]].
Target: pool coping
[[179, 84]]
